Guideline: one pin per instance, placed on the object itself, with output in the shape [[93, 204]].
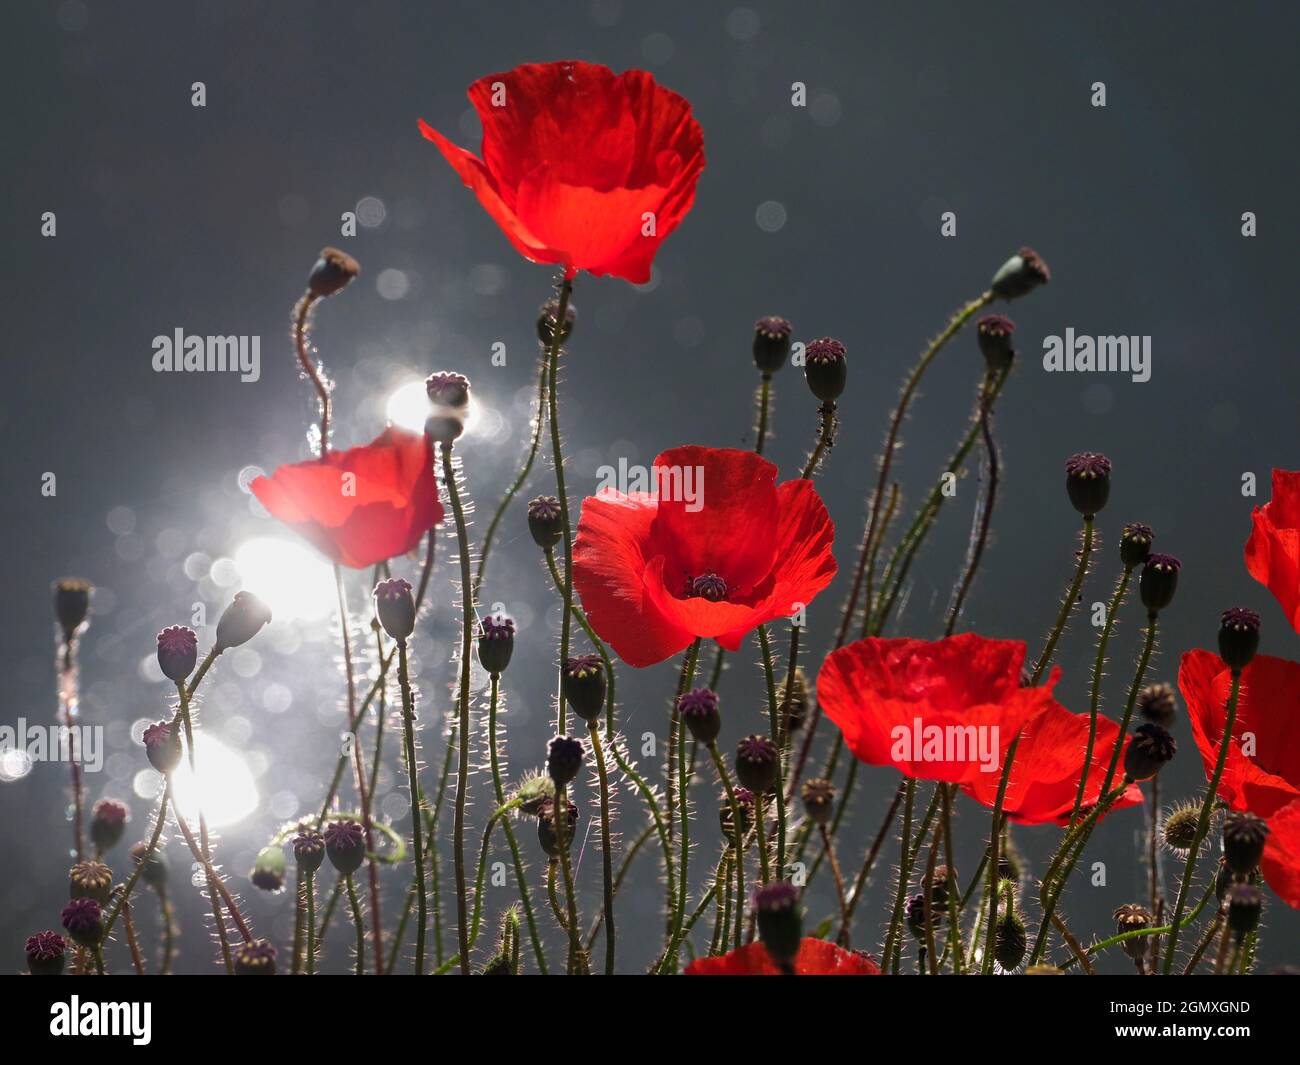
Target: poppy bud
[[993, 332], [544, 521], [547, 318], [795, 699], [178, 652], [90, 880], [1020, 275], [71, 604], [546, 836], [771, 344], [449, 398], [825, 368], [756, 758], [333, 272], [496, 642], [745, 804], [1149, 749], [162, 745], [563, 759], [254, 958], [241, 621], [1238, 637], [584, 685], [1010, 941], [699, 710], [1244, 836], [154, 872], [1158, 703], [1180, 828], [309, 849], [780, 922], [268, 868], [46, 953], [1245, 903], [108, 819], [532, 791], [345, 843], [395, 607], [83, 921], [1133, 918], [818, 796], [1159, 581], [1087, 481], [1135, 544]]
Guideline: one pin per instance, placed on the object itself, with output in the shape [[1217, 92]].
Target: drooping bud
[[108, 819], [546, 834], [449, 399], [532, 790], [994, 332], [83, 921], [826, 368], [496, 642], [1133, 918], [1158, 703], [90, 880], [254, 958], [1244, 836], [1238, 637], [780, 922], [564, 759], [1020, 275], [545, 522], [395, 608], [1245, 904], [178, 652], [1149, 750], [268, 868], [71, 604], [155, 870], [1159, 581], [1010, 941], [333, 272], [583, 682], [548, 317], [241, 621], [345, 844], [162, 745], [46, 954], [818, 796], [699, 711], [771, 344], [1135, 544], [756, 763], [1087, 482], [308, 849]]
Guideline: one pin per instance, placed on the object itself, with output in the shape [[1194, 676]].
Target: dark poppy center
[[707, 586]]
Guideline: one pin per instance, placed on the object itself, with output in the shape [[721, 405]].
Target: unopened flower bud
[[563, 759], [333, 272], [395, 608], [1020, 275], [46, 954], [449, 402], [771, 344], [268, 868], [1180, 828], [698, 709], [548, 317], [1159, 581], [818, 796], [90, 880], [308, 849], [780, 922], [545, 522], [83, 921], [108, 819], [532, 791], [178, 652], [994, 332], [1087, 482], [71, 604], [345, 843], [826, 368], [162, 745], [1010, 941], [583, 683], [241, 621], [1158, 703], [756, 763], [1133, 918], [1244, 836], [1135, 544], [1149, 750], [1238, 637], [254, 958]]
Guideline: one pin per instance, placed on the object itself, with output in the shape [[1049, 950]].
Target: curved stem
[[557, 454], [1067, 604], [825, 439], [69, 701], [1133, 690], [301, 319], [124, 897], [859, 884], [904, 875], [980, 532], [606, 848]]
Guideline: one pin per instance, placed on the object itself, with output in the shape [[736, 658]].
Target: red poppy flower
[[1262, 770], [580, 166], [816, 957], [714, 549], [1045, 774], [1273, 550], [943, 710], [361, 506]]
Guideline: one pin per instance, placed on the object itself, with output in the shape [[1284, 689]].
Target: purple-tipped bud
[[254, 958], [771, 344], [449, 399], [395, 608], [90, 880], [994, 332], [1238, 637], [46, 953], [309, 849], [563, 759], [780, 922], [818, 797], [333, 272], [71, 604], [162, 745], [241, 621], [1135, 544], [345, 843], [548, 318], [756, 763], [583, 682], [545, 522], [1244, 836], [1020, 275], [699, 710], [1159, 581], [496, 642], [83, 921], [178, 652], [1087, 482], [1149, 750], [826, 368], [108, 819]]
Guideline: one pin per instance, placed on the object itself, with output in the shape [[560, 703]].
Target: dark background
[[209, 219]]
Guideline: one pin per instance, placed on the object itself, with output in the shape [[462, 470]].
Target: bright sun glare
[[293, 580], [224, 786], [408, 407]]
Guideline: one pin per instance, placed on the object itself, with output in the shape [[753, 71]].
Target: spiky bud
[[90, 880], [46, 953], [1180, 828], [699, 710], [532, 790], [548, 318], [1010, 941], [1149, 750], [83, 921], [1133, 918], [583, 682], [795, 695]]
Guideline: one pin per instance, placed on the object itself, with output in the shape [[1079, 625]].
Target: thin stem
[[1067, 604], [980, 531], [557, 454], [683, 811], [124, 897], [1133, 690], [950, 887], [133, 944], [628, 857], [995, 840], [1203, 821], [840, 894], [764, 402], [301, 319], [904, 875], [417, 813], [860, 884], [577, 959], [737, 827], [606, 848], [825, 439], [69, 700], [299, 906], [309, 889], [778, 733], [358, 924]]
